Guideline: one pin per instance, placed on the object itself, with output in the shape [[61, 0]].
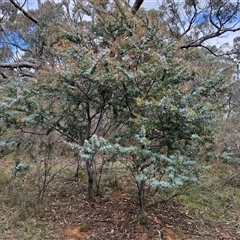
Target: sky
[[148, 4]]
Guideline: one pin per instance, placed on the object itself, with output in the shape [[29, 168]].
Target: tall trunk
[[89, 164]]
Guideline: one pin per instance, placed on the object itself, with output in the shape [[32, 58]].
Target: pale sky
[[148, 4]]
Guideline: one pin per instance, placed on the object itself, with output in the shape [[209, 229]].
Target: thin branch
[[232, 15], [30, 132], [215, 54], [191, 22], [99, 119], [24, 12], [211, 19], [3, 75], [17, 46], [3, 15], [127, 102]]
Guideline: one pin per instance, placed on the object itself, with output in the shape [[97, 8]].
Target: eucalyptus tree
[[193, 23]]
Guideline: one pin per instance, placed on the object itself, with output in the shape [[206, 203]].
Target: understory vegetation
[[206, 211]]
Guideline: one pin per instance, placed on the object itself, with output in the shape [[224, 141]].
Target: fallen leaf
[[169, 234], [225, 236], [75, 232]]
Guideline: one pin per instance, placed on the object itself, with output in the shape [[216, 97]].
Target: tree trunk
[[141, 196], [137, 4], [78, 166], [89, 163], [90, 178]]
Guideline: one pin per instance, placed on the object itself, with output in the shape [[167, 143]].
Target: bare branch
[[23, 11], [19, 65], [198, 42]]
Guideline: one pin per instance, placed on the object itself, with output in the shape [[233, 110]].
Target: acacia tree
[[125, 78], [167, 102], [191, 22]]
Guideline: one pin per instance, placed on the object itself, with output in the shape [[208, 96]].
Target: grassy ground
[[208, 211]]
